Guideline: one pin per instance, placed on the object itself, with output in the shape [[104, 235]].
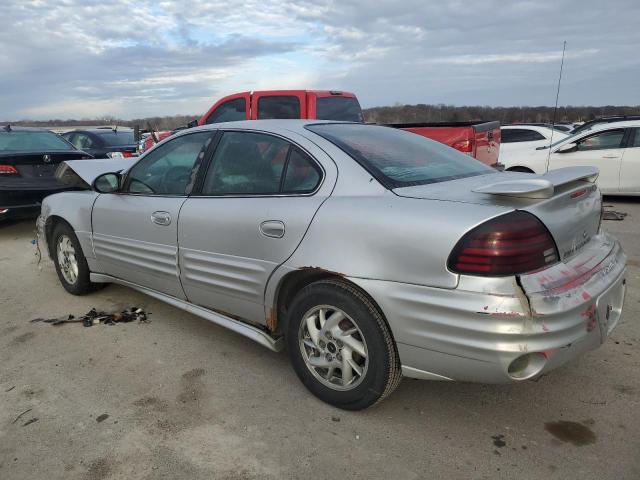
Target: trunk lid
[[36, 170], [566, 200]]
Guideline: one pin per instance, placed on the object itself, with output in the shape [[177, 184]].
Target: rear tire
[[340, 345], [71, 264]]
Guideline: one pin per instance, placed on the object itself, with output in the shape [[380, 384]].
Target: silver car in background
[[370, 252]]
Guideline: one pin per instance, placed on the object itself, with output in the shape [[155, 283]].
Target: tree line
[[393, 114]]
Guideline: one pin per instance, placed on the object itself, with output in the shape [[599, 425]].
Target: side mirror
[[569, 147], [107, 183], [192, 123]]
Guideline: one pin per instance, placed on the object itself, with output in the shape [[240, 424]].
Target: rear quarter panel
[[389, 238]]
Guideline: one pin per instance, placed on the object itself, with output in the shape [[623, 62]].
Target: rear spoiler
[[540, 186]]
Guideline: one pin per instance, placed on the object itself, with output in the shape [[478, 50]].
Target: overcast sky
[[73, 58]]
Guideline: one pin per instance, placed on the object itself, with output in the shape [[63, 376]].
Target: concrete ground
[[180, 398]]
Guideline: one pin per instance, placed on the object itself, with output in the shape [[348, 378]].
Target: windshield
[[343, 109], [563, 140], [112, 138], [31, 141], [397, 158]]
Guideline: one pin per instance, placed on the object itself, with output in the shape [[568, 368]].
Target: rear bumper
[[520, 330], [21, 204]]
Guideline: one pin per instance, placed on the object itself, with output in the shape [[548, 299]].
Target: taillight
[[507, 245], [127, 154], [464, 146], [8, 170]]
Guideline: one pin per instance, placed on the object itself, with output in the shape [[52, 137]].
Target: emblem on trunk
[[46, 158]]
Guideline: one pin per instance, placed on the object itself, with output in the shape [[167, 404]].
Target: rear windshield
[[344, 109], [31, 141], [397, 158], [112, 138]]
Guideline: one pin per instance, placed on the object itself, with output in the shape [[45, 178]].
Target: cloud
[[73, 58]]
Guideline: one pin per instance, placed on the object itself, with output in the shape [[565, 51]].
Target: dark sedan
[[28, 160], [104, 142]]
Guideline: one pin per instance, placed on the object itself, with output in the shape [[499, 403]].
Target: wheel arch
[[520, 168], [291, 283], [49, 226]]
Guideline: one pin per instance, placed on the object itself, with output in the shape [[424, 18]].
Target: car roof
[[611, 126], [98, 130], [295, 125], [19, 128]]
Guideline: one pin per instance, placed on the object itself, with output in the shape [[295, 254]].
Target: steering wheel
[[176, 176]]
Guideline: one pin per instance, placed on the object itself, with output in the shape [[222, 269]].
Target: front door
[[630, 169], [258, 198], [135, 231], [602, 150]]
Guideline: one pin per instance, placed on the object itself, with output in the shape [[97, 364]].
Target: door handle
[[161, 218], [272, 228], [610, 155]]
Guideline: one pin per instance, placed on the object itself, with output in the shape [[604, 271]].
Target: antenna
[[555, 109]]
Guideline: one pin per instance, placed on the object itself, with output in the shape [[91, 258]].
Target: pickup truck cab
[[283, 104], [480, 140]]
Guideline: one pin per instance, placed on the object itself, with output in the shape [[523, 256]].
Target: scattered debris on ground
[[102, 418], [20, 416], [613, 215], [95, 317], [29, 422]]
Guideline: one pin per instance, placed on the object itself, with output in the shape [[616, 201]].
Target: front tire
[[71, 264], [340, 345]]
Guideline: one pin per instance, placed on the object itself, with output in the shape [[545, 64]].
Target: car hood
[[88, 170]]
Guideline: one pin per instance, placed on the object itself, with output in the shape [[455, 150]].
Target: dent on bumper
[[475, 332]]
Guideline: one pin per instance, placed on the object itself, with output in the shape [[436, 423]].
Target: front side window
[[397, 158], [602, 141], [229, 111], [248, 163], [31, 141], [278, 106], [169, 169], [636, 138]]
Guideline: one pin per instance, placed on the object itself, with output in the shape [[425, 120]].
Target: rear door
[[135, 231], [630, 167], [601, 149], [257, 200]]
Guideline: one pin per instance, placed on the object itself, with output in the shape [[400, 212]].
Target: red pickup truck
[[479, 140]]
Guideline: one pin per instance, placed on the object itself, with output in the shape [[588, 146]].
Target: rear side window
[[602, 140], [302, 175], [514, 135], [397, 158], [280, 106], [636, 138], [112, 138], [229, 111], [345, 109], [248, 163]]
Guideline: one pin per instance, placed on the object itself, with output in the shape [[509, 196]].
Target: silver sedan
[[371, 253]]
